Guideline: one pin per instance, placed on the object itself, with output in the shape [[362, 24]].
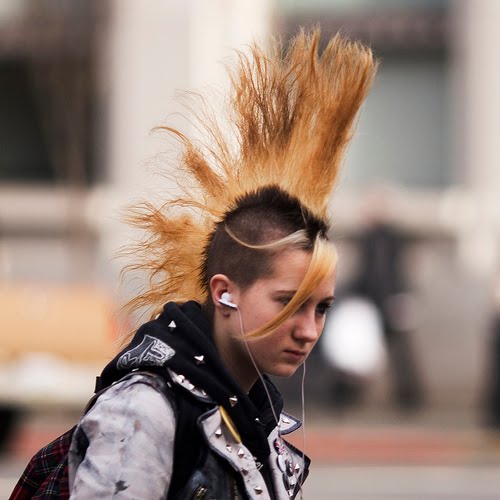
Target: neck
[[234, 355]]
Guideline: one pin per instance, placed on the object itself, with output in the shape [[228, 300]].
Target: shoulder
[[139, 397], [139, 382], [125, 440]]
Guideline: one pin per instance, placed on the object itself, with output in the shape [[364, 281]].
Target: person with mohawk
[[241, 274]]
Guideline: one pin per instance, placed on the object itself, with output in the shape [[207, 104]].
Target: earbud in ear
[[225, 299]]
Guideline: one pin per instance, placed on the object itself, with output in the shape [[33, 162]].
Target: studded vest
[[210, 458], [226, 470]]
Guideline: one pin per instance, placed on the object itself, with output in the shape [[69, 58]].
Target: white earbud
[[225, 299]]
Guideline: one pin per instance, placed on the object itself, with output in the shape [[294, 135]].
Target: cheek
[[284, 331], [262, 312], [274, 340], [321, 325]]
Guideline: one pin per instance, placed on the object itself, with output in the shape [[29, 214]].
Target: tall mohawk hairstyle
[[291, 116]]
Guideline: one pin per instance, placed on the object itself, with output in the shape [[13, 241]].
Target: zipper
[[236, 496], [200, 493]]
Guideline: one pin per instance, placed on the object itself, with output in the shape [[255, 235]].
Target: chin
[[283, 371]]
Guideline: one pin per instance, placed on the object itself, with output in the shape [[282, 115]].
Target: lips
[[295, 356], [297, 353]]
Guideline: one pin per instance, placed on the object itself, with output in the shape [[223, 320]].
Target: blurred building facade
[[82, 83]]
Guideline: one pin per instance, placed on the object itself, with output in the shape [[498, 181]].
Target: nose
[[307, 328]]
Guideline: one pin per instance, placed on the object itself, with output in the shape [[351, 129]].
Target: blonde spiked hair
[[291, 115]]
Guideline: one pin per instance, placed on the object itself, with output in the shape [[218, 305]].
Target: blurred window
[[48, 137], [46, 92], [24, 154], [338, 5], [403, 133]]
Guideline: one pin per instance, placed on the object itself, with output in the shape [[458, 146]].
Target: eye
[[284, 300], [323, 307]]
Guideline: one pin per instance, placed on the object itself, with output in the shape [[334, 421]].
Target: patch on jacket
[[150, 352]]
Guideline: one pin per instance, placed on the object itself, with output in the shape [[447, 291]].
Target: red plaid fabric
[[46, 475]]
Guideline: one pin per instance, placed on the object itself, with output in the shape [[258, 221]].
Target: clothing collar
[[180, 338]]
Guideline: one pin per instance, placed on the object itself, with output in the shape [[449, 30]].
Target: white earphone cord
[[258, 372], [302, 393], [303, 398]]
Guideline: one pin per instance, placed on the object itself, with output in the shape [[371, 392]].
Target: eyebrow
[[331, 298], [293, 292]]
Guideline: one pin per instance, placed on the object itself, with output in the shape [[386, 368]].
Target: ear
[[219, 284]]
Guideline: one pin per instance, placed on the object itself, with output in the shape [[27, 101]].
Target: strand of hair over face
[[321, 267], [291, 116]]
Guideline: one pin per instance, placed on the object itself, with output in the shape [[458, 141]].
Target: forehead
[[288, 270], [291, 264]]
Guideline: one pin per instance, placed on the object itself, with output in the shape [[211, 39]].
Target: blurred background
[[403, 392]]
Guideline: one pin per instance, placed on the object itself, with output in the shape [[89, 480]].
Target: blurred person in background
[[243, 261], [381, 281], [375, 315], [9, 415], [493, 380]]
